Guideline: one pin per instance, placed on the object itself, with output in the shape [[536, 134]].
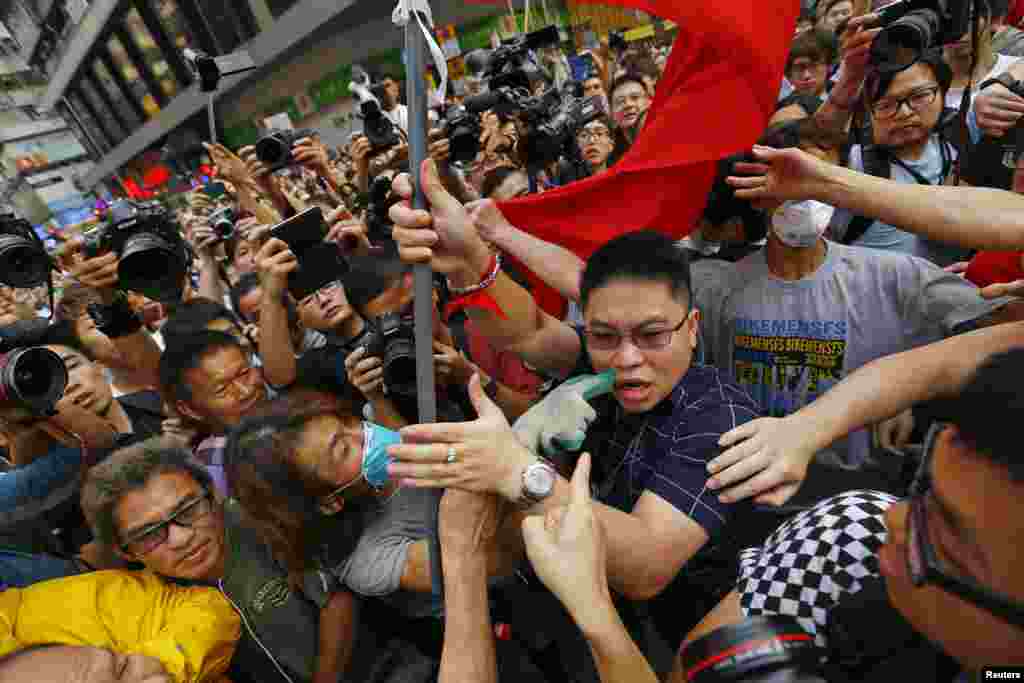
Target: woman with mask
[[314, 477]]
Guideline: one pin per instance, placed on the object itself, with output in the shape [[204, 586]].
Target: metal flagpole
[[416, 93], [416, 23]]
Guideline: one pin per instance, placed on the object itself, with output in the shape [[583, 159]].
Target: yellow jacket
[[193, 631]]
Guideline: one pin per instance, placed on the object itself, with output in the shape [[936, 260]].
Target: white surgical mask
[[801, 224]]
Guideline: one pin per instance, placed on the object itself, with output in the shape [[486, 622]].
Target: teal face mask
[[376, 440]]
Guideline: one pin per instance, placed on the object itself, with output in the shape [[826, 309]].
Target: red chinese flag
[[719, 88]]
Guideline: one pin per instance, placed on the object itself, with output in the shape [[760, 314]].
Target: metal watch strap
[[1006, 80], [526, 499]]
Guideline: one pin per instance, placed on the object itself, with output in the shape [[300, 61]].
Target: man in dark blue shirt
[[652, 444]]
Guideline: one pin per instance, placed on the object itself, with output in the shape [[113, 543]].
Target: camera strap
[[404, 11]]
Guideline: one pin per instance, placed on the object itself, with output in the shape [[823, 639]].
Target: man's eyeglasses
[[646, 339], [327, 290], [923, 562], [585, 135], [149, 539], [917, 100]]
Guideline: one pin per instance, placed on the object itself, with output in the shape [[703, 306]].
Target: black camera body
[[462, 128], [377, 218], [511, 65], [24, 262], [274, 150], [31, 376], [223, 223], [393, 340], [378, 128], [153, 256], [909, 27], [551, 118]]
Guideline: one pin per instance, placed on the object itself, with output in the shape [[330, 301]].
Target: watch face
[[539, 480]]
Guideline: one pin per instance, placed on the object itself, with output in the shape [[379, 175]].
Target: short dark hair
[[643, 255], [803, 131], [127, 470], [988, 411], [806, 101], [877, 83], [997, 9], [815, 44], [241, 289], [186, 354], [193, 316], [628, 77]]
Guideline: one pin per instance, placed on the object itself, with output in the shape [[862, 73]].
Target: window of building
[[132, 77], [144, 39], [124, 109]]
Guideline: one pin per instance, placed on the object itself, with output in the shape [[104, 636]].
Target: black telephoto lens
[[23, 263], [758, 650], [152, 267], [34, 378]]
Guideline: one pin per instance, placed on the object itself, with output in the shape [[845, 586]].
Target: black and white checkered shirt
[[815, 559]]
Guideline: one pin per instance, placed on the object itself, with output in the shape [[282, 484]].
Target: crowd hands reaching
[[220, 411]]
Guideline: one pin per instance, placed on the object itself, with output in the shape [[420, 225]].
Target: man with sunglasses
[[652, 436], [947, 554], [155, 505]]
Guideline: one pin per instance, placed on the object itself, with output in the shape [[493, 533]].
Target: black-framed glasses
[[917, 100], [645, 340], [152, 537], [923, 562], [590, 135], [326, 290]]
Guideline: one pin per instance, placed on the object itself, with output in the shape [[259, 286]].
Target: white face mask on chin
[[800, 225]]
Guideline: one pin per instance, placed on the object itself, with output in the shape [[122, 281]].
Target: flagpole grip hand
[[443, 237]]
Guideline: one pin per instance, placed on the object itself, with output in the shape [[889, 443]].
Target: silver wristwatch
[[538, 482]]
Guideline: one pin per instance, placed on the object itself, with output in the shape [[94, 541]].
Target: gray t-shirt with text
[[788, 342]]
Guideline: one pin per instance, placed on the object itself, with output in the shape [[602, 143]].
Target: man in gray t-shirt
[[788, 340]]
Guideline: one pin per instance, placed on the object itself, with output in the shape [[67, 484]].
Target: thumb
[[437, 196], [598, 385], [484, 406], [580, 485]]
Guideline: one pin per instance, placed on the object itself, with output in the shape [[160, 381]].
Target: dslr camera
[[24, 262], [377, 217], [909, 27], [462, 128], [274, 150], [393, 340], [31, 376], [378, 128], [223, 223], [551, 118], [153, 255]]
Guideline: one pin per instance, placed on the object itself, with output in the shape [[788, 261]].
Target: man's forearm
[[558, 267], [638, 560], [210, 285], [276, 348], [468, 653], [890, 385], [971, 217]]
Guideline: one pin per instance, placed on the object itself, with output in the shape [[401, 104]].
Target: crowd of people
[[802, 414]]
